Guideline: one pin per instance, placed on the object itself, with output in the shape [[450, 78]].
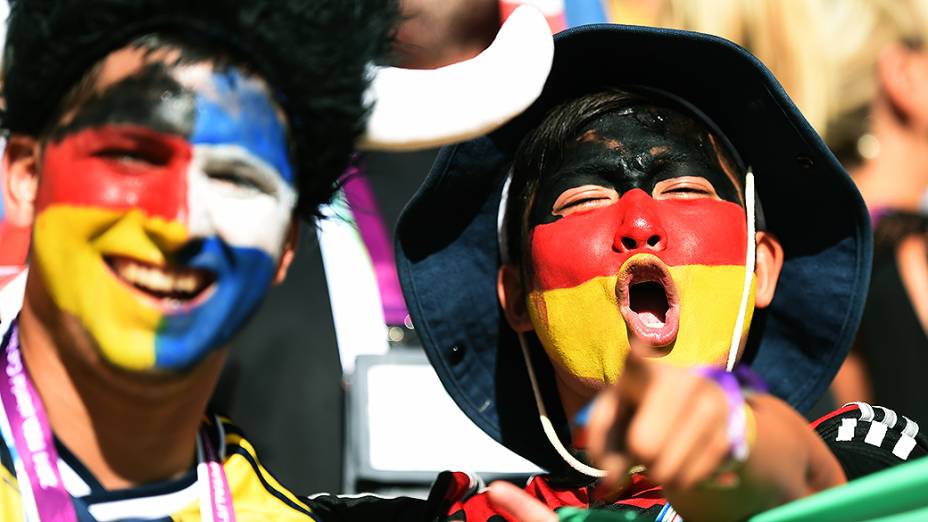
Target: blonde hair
[[781, 33], [855, 33]]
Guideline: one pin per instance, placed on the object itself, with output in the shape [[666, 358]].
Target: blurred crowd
[[858, 70]]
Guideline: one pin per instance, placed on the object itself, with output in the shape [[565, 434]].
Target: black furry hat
[[313, 53]]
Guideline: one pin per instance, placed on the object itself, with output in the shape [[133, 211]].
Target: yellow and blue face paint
[[163, 213]]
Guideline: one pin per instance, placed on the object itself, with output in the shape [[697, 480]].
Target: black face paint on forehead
[[637, 147], [150, 98]]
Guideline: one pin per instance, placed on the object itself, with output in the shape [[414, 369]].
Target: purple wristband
[[732, 384]]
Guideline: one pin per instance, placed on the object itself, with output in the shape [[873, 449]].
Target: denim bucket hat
[[448, 249]]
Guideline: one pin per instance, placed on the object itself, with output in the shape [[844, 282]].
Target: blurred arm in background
[[439, 33]]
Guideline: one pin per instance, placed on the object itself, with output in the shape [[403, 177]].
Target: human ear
[[767, 266], [512, 298], [20, 179], [289, 251], [903, 78]]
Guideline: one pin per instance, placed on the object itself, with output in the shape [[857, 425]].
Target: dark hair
[[314, 54], [541, 151]]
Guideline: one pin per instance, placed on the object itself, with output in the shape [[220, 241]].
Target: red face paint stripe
[[118, 168], [585, 245]]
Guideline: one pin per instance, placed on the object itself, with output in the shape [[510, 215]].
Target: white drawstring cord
[[748, 271], [546, 424]]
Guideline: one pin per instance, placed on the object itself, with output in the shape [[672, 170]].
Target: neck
[[574, 396], [898, 176], [127, 428]]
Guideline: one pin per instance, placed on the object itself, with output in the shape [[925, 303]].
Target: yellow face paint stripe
[[68, 244], [583, 331]]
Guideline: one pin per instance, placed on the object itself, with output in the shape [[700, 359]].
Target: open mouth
[[169, 287], [648, 300]]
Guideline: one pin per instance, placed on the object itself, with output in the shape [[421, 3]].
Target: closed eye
[[234, 179], [685, 187], [241, 179], [135, 154], [583, 198]]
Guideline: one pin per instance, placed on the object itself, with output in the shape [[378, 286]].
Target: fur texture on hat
[[315, 54]]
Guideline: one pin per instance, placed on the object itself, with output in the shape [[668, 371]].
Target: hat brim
[[447, 237]]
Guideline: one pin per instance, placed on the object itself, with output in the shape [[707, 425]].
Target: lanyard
[[28, 437], [373, 232]]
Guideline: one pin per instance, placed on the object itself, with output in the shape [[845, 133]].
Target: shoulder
[[867, 438], [256, 492], [254, 489]]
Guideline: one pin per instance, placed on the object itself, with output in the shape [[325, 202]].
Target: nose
[[639, 226], [168, 235]]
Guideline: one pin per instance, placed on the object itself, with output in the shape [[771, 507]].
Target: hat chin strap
[[546, 424], [749, 262]]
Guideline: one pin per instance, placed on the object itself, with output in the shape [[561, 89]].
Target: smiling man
[[183, 224], [164, 175], [611, 240]]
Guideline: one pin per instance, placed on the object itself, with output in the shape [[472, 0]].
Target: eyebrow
[[588, 168], [669, 155], [600, 166]]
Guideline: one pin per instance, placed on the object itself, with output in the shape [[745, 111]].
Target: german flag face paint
[[639, 232], [162, 212]]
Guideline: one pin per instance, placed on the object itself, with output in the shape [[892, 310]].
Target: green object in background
[[899, 491], [919, 515], [899, 494], [569, 514]]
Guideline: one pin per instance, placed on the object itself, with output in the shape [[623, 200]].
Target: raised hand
[[669, 419], [675, 422]]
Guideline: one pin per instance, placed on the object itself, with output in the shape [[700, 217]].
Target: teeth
[[185, 284], [157, 279]]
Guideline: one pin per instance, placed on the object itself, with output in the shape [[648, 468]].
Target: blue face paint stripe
[[243, 277], [247, 117]]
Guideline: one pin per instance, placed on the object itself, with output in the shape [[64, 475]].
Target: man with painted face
[[165, 150], [164, 172], [613, 235]]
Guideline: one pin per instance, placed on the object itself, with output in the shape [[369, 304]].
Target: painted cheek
[[244, 275], [581, 246], [122, 326], [581, 329], [72, 175], [244, 218], [708, 292], [573, 249], [704, 232]]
